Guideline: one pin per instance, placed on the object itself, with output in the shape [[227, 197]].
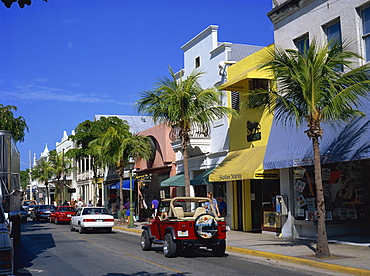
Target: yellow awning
[[243, 164], [239, 83]]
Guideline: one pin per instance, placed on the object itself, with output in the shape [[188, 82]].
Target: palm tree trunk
[[322, 247], [186, 166], [186, 173], [47, 201]]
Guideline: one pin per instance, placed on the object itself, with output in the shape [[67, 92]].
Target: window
[[333, 32], [256, 84], [302, 43], [259, 84], [366, 31], [197, 62], [235, 100]]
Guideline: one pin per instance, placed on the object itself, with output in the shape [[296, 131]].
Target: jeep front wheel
[[169, 246], [145, 242]]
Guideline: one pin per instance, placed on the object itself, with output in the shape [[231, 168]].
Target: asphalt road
[[49, 249]]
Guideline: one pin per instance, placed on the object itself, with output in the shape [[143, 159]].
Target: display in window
[[299, 186], [299, 173], [312, 215], [359, 199], [300, 212], [311, 203], [325, 172], [301, 201]]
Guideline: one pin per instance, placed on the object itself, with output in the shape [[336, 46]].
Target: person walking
[[127, 208], [214, 204], [155, 205], [222, 206], [80, 203]]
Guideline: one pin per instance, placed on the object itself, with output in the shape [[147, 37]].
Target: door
[[239, 200], [256, 202]]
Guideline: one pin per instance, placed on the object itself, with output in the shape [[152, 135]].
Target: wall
[[320, 13]]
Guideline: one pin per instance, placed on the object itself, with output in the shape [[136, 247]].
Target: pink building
[[151, 173]]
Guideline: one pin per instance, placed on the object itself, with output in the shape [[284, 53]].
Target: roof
[[240, 51]]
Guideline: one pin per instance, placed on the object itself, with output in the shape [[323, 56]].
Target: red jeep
[[185, 222]]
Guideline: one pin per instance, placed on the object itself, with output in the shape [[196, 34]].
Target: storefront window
[[346, 191]]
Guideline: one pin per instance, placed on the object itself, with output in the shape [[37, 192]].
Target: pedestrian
[[127, 208], [99, 204], [214, 204], [90, 204], [222, 206], [65, 203], [80, 203], [155, 205]]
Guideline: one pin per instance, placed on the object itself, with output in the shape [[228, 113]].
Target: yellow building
[[252, 188]]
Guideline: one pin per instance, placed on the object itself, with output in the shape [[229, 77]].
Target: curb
[[283, 258], [339, 268], [127, 229]]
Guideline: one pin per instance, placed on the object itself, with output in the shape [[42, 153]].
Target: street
[[49, 249]]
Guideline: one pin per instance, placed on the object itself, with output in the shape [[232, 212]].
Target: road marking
[[154, 263], [88, 241]]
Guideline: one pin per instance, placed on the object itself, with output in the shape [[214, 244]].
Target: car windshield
[[94, 211], [164, 206], [66, 209], [188, 205]]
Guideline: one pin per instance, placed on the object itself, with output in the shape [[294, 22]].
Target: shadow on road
[[39, 243]]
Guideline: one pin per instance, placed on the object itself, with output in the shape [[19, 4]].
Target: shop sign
[[266, 175], [231, 176]]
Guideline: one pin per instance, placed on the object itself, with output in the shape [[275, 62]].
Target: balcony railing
[[200, 141], [194, 133]]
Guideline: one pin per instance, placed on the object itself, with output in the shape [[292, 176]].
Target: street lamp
[[64, 187], [130, 166]]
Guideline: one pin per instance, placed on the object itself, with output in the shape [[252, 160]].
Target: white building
[[345, 150], [204, 53]]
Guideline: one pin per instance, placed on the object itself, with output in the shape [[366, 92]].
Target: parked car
[[30, 209], [62, 214], [42, 212], [92, 218], [6, 246], [186, 223], [25, 203]]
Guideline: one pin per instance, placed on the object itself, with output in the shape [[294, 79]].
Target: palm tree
[[88, 131], [116, 146], [318, 85], [43, 172], [61, 167], [184, 104]]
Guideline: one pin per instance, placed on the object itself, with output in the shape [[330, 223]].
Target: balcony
[[200, 141]]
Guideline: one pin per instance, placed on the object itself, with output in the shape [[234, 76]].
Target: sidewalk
[[347, 257]]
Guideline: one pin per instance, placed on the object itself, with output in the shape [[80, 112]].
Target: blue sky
[[64, 61]]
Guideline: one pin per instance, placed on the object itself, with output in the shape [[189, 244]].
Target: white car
[[6, 246], [92, 218]]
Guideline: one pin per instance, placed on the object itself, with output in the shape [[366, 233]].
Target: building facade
[[204, 53], [345, 149], [251, 187]]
